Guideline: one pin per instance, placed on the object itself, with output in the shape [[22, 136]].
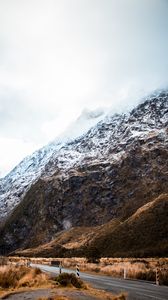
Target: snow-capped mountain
[[116, 167], [113, 136], [14, 186], [107, 141]]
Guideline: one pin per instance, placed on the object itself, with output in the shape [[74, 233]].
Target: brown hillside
[[145, 233], [70, 242], [93, 197]]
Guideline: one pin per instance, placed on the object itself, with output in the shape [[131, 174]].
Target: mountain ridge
[[109, 172]]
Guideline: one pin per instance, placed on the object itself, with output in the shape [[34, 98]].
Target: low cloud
[[12, 152], [60, 57]]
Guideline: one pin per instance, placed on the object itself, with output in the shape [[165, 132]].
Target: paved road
[[137, 290]]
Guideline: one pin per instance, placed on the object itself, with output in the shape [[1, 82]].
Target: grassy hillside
[[70, 242], [143, 234]]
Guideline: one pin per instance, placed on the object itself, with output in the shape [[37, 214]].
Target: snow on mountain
[[17, 182], [113, 136], [108, 140]]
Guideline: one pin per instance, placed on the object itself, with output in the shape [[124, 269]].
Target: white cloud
[[12, 151], [58, 57]]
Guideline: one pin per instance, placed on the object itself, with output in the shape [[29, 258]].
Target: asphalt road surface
[[136, 290]]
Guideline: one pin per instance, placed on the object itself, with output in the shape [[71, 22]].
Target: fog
[[61, 57]]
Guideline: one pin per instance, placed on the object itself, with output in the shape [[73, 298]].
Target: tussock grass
[[137, 268], [17, 277], [143, 269], [66, 279]]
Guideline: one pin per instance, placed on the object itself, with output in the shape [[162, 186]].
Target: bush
[[9, 277], [66, 279], [37, 271]]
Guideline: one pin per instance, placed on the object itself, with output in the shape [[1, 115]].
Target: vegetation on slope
[[144, 234], [90, 198]]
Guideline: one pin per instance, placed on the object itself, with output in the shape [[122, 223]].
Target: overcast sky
[[59, 57]]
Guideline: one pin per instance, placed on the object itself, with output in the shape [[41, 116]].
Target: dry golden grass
[[137, 268], [74, 238], [14, 278], [143, 269]]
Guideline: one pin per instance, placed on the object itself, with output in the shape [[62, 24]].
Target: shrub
[[37, 271], [66, 279], [8, 279]]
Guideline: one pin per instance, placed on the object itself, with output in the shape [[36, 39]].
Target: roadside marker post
[[125, 273], [77, 271], [157, 276], [28, 263], [60, 268]]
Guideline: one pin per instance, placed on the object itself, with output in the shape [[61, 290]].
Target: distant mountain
[[108, 173]]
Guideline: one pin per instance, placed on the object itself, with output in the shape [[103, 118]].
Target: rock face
[[14, 186], [116, 167]]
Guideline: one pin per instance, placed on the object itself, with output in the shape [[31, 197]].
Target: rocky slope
[[115, 168], [14, 186], [143, 234], [17, 182]]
